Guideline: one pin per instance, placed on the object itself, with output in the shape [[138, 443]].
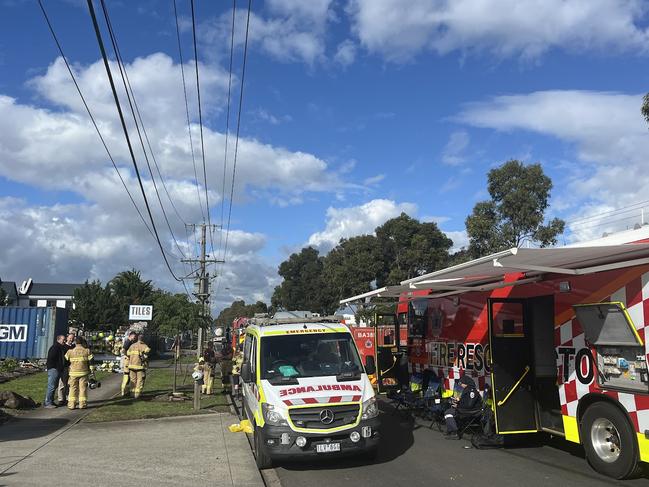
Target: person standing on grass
[[130, 339], [80, 358], [63, 380], [55, 365], [209, 356], [138, 359], [226, 367]]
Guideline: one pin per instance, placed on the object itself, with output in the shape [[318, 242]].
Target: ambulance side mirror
[[370, 365], [246, 374]]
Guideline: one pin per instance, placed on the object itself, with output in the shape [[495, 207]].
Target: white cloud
[[436, 219], [357, 220], [345, 53], [374, 180], [57, 148], [605, 126], [51, 144], [293, 31], [609, 137], [264, 115], [72, 243], [502, 27], [460, 239], [453, 154]]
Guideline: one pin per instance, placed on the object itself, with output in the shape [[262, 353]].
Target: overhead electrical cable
[[236, 142], [227, 121], [189, 128], [603, 223], [622, 209], [126, 135], [200, 124], [92, 118], [135, 112]]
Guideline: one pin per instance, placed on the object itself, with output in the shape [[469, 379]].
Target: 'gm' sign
[[13, 333]]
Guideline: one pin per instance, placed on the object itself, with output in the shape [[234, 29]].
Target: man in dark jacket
[[55, 364], [469, 401], [65, 375]]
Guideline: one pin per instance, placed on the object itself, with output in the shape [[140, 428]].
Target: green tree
[[645, 107], [350, 268], [515, 213], [239, 309], [95, 307], [174, 313], [302, 287], [3, 296], [128, 287], [410, 248]]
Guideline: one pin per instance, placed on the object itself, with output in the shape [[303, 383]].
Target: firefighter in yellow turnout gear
[[79, 358], [138, 355], [125, 374], [226, 368], [128, 341], [209, 364]]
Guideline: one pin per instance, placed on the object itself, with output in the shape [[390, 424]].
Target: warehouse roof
[[52, 289]]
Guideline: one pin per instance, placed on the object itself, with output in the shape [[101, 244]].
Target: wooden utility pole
[[203, 296]]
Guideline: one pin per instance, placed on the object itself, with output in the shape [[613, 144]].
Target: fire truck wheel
[[609, 441], [262, 460]]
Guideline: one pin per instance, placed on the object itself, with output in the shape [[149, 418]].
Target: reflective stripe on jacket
[[137, 356], [79, 358]]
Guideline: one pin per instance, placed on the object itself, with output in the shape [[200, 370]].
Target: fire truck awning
[[487, 273]]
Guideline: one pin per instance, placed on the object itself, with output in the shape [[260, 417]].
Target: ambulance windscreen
[[290, 357]]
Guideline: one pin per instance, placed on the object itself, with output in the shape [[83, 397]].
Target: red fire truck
[[558, 334]]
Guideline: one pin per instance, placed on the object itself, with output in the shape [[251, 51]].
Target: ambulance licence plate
[[327, 447]]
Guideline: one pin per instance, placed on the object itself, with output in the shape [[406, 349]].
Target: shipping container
[[28, 333]]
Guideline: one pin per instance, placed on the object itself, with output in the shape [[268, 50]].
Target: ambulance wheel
[[262, 459], [609, 441]]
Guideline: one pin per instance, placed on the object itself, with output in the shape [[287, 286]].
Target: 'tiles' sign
[[142, 312]]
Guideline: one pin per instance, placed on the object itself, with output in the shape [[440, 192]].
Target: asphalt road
[[413, 455]]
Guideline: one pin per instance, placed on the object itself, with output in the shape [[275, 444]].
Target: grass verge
[[35, 385], [159, 381], [184, 359]]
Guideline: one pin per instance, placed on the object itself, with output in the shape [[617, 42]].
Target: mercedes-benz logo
[[326, 416]]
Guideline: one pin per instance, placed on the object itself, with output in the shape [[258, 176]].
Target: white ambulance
[[306, 391]]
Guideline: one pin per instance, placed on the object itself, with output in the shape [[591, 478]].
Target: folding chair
[[469, 419], [410, 399]]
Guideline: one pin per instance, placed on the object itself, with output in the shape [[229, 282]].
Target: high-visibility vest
[[137, 355], [79, 358]]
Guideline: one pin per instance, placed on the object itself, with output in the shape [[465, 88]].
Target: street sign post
[[140, 312]]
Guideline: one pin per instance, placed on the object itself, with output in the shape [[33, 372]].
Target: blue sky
[[354, 110]]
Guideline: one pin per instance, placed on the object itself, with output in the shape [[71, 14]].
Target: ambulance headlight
[[370, 409], [272, 415]]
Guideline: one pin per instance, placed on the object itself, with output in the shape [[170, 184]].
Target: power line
[[125, 129], [603, 223], [200, 117], [227, 122], [136, 114], [236, 143], [92, 118], [189, 129], [622, 209]]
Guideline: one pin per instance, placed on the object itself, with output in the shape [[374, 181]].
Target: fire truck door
[[511, 367]]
